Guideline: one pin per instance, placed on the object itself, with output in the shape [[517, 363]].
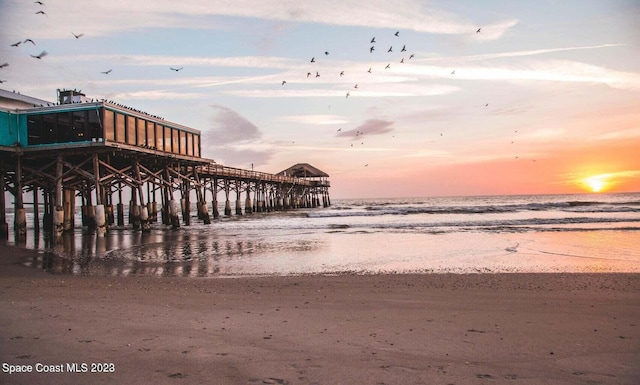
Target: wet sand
[[377, 329]]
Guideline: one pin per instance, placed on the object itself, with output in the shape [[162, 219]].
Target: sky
[[452, 97]]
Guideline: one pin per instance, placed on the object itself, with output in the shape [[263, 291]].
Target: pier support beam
[[20, 219], [248, 208], [4, 226], [101, 224]]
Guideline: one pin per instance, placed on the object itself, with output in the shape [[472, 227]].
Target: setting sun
[[596, 183]]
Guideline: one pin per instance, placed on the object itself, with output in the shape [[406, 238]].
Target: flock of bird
[[312, 73], [44, 53], [372, 48]]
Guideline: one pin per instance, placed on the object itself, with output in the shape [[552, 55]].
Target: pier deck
[[102, 153]]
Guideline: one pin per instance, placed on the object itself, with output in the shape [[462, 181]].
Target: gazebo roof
[[304, 170]]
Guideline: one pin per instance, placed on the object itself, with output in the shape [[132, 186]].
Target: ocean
[[479, 234]]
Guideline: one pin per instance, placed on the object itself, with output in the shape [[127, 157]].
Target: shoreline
[[524, 328]]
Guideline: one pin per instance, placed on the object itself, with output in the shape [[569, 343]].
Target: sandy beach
[[375, 329]]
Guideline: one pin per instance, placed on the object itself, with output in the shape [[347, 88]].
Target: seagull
[[16, 44], [373, 40], [453, 72], [356, 86], [339, 129], [369, 70], [4, 65], [402, 60], [29, 41], [347, 94], [38, 2], [341, 73], [317, 74], [412, 56], [390, 49], [404, 48], [313, 60], [175, 69], [41, 13], [372, 49], [326, 52], [2, 81], [284, 82], [478, 31], [78, 36], [388, 66], [107, 72], [40, 55], [308, 74], [397, 33]]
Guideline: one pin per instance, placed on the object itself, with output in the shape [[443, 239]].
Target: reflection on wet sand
[[125, 253]]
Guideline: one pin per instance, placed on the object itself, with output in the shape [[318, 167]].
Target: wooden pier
[[101, 153]]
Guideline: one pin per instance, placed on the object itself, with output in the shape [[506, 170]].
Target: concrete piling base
[[20, 223], [101, 221]]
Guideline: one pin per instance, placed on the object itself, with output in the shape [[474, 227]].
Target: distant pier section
[[100, 153]]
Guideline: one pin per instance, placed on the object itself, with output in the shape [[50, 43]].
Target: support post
[[20, 219], [4, 226]]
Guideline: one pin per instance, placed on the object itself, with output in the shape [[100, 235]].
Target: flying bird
[[372, 49], [317, 74], [388, 66], [326, 52], [397, 33], [404, 48], [339, 129], [16, 44], [175, 69], [308, 74], [412, 56], [347, 94], [313, 60], [40, 55], [2, 81], [341, 73], [41, 13], [356, 86], [29, 41], [373, 40], [284, 82], [390, 49], [369, 70], [38, 2], [4, 65], [453, 72], [107, 72], [478, 31], [78, 36], [402, 60]]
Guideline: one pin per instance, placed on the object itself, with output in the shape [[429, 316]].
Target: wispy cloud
[[369, 127], [316, 119], [97, 17], [501, 55]]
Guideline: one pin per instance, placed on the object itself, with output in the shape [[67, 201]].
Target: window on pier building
[[131, 130], [151, 134], [175, 141], [160, 137], [183, 142], [94, 128], [62, 127], [196, 145], [120, 130], [109, 126], [141, 132]]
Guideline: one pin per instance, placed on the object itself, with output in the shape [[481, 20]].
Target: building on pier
[[95, 149]]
